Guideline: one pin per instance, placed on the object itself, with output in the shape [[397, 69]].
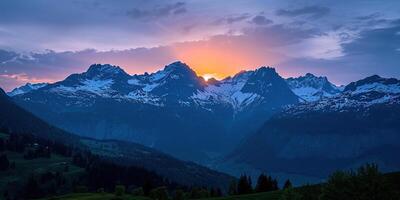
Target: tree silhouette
[[287, 184], [244, 185], [4, 163]]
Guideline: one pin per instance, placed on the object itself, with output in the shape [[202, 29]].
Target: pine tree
[[287, 184], [179, 195], [2, 145], [262, 183], [275, 185], [232, 188], [266, 184], [244, 185], [32, 189], [4, 163]]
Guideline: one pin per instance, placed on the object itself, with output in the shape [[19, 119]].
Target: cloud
[[23, 78], [370, 16], [221, 54], [231, 19], [261, 20], [312, 11], [292, 51], [158, 11], [373, 51], [7, 55]]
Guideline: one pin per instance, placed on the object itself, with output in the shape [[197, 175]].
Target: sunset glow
[[223, 58], [211, 37], [209, 76]]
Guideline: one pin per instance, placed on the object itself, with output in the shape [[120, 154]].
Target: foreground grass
[[97, 196], [257, 196], [312, 190], [107, 196]]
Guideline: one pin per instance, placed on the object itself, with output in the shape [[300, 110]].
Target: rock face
[[315, 138], [172, 109]]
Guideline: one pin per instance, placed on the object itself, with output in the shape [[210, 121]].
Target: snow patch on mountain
[[158, 75], [150, 87], [99, 87], [378, 87], [134, 82], [144, 97]]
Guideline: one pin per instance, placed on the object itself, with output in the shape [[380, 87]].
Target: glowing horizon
[[214, 38]]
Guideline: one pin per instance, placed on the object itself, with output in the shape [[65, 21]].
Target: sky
[[46, 40]]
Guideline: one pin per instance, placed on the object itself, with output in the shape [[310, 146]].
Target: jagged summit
[[104, 71], [177, 65], [265, 70]]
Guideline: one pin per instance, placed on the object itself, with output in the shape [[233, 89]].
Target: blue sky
[[45, 40]]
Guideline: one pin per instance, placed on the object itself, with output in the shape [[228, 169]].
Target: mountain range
[[155, 109], [17, 120], [303, 126], [359, 125]]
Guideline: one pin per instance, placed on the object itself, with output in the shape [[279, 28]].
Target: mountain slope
[[313, 139], [15, 119], [173, 109], [26, 88]]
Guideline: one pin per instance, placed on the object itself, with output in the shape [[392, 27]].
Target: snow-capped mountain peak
[[104, 71], [312, 88], [261, 86], [177, 66]]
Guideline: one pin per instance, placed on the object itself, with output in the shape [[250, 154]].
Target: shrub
[[159, 193], [100, 190], [179, 195], [119, 190], [81, 189], [138, 192], [290, 194]]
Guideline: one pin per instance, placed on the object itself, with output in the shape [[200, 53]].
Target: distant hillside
[[14, 119]]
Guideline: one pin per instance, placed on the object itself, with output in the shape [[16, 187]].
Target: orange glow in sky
[[222, 59]]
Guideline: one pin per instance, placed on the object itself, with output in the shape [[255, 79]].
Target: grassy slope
[[393, 178], [98, 196], [258, 196], [24, 168], [94, 196]]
